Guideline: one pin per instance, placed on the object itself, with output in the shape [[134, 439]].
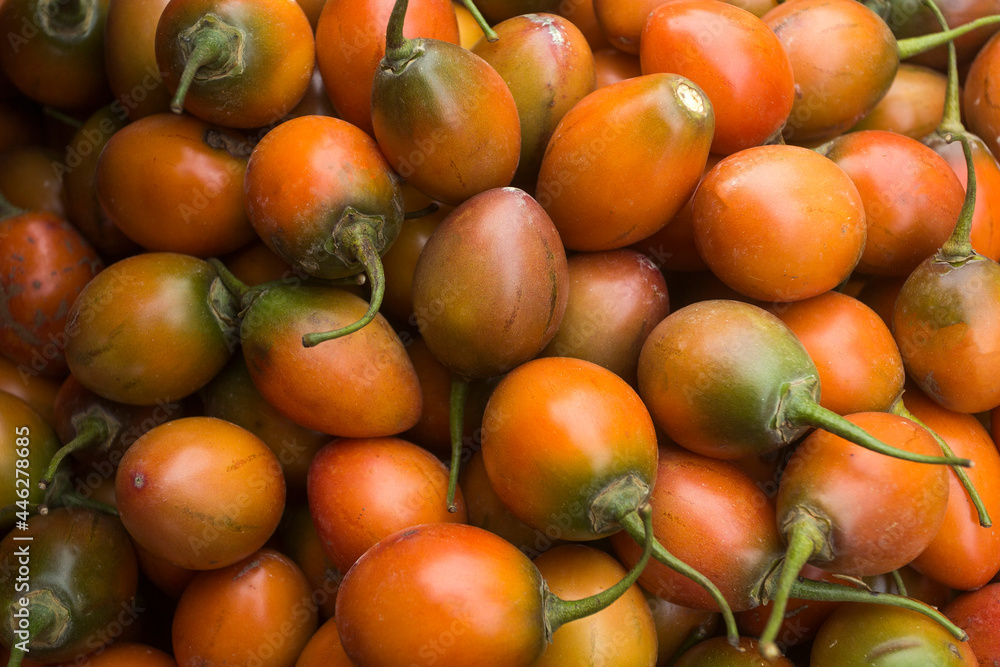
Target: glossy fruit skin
[[761, 229], [37, 391], [615, 299], [350, 44], [637, 128], [945, 323], [711, 375], [400, 263], [548, 66], [258, 609], [45, 265], [151, 328], [963, 554], [496, 11], [31, 178], [913, 106], [200, 492], [622, 21], [717, 652], [858, 635], [303, 181], [910, 197], [574, 429], [276, 59], [743, 68], [675, 624], [25, 437], [977, 613], [127, 654], [55, 59], [879, 512], [841, 72], [460, 594], [491, 284], [979, 93], [623, 635], [699, 502], [82, 568], [362, 490], [324, 649], [130, 57], [860, 368], [446, 121], [175, 184], [361, 385]]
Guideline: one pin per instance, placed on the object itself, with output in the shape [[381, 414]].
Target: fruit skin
[[978, 613]]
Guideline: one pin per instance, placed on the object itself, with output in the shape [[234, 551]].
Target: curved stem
[[213, 46], [398, 49], [236, 286], [40, 618], [360, 241], [62, 117], [952, 119], [958, 247], [456, 422], [805, 539], [71, 499], [800, 409], [91, 431], [491, 35], [912, 46], [824, 591], [558, 612], [421, 212], [630, 523], [899, 408], [900, 584]]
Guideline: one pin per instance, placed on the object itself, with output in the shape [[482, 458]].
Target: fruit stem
[[62, 117], [825, 591], [8, 210], [806, 538], [91, 430], [357, 238], [421, 212], [210, 44], [696, 636], [42, 620], [900, 585], [912, 46], [558, 612], [236, 286], [958, 247], [984, 517], [491, 35], [398, 49], [71, 499], [799, 409], [456, 422], [952, 119], [630, 523]]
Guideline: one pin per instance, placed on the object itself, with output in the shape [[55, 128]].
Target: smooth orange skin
[[200, 492], [45, 265], [161, 182], [763, 231], [717, 652], [946, 322], [622, 21], [548, 67], [612, 66], [446, 121], [52, 68], [278, 57], [257, 609], [37, 391], [637, 129], [495, 11], [31, 178], [913, 106], [882, 511], [912, 198], [300, 542], [130, 57], [490, 286], [844, 59], [350, 44], [357, 386], [361, 491], [622, 635], [714, 517], [978, 613], [256, 264], [457, 594], [860, 368], [979, 95], [400, 263], [616, 297], [169, 577], [743, 69], [125, 654], [675, 624], [963, 554], [557, 431], [42, 444], [324, 649], [581, 13], [986, 216], [312, 9]]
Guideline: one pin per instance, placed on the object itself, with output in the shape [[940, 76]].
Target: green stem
[[958, 247], [907, 48], [8, 210], [806, 538], [398, 49], [419, 213], [984, 516], [62, 117], [216, 48], [16, 656], [41, 618], [71, 499], [952, 119], [91, 431], [900, 585], [491, 36], [630, 523], [456, 422], [824, 591], [236, 286], [358, 239], [558, 612], [799, 409]]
